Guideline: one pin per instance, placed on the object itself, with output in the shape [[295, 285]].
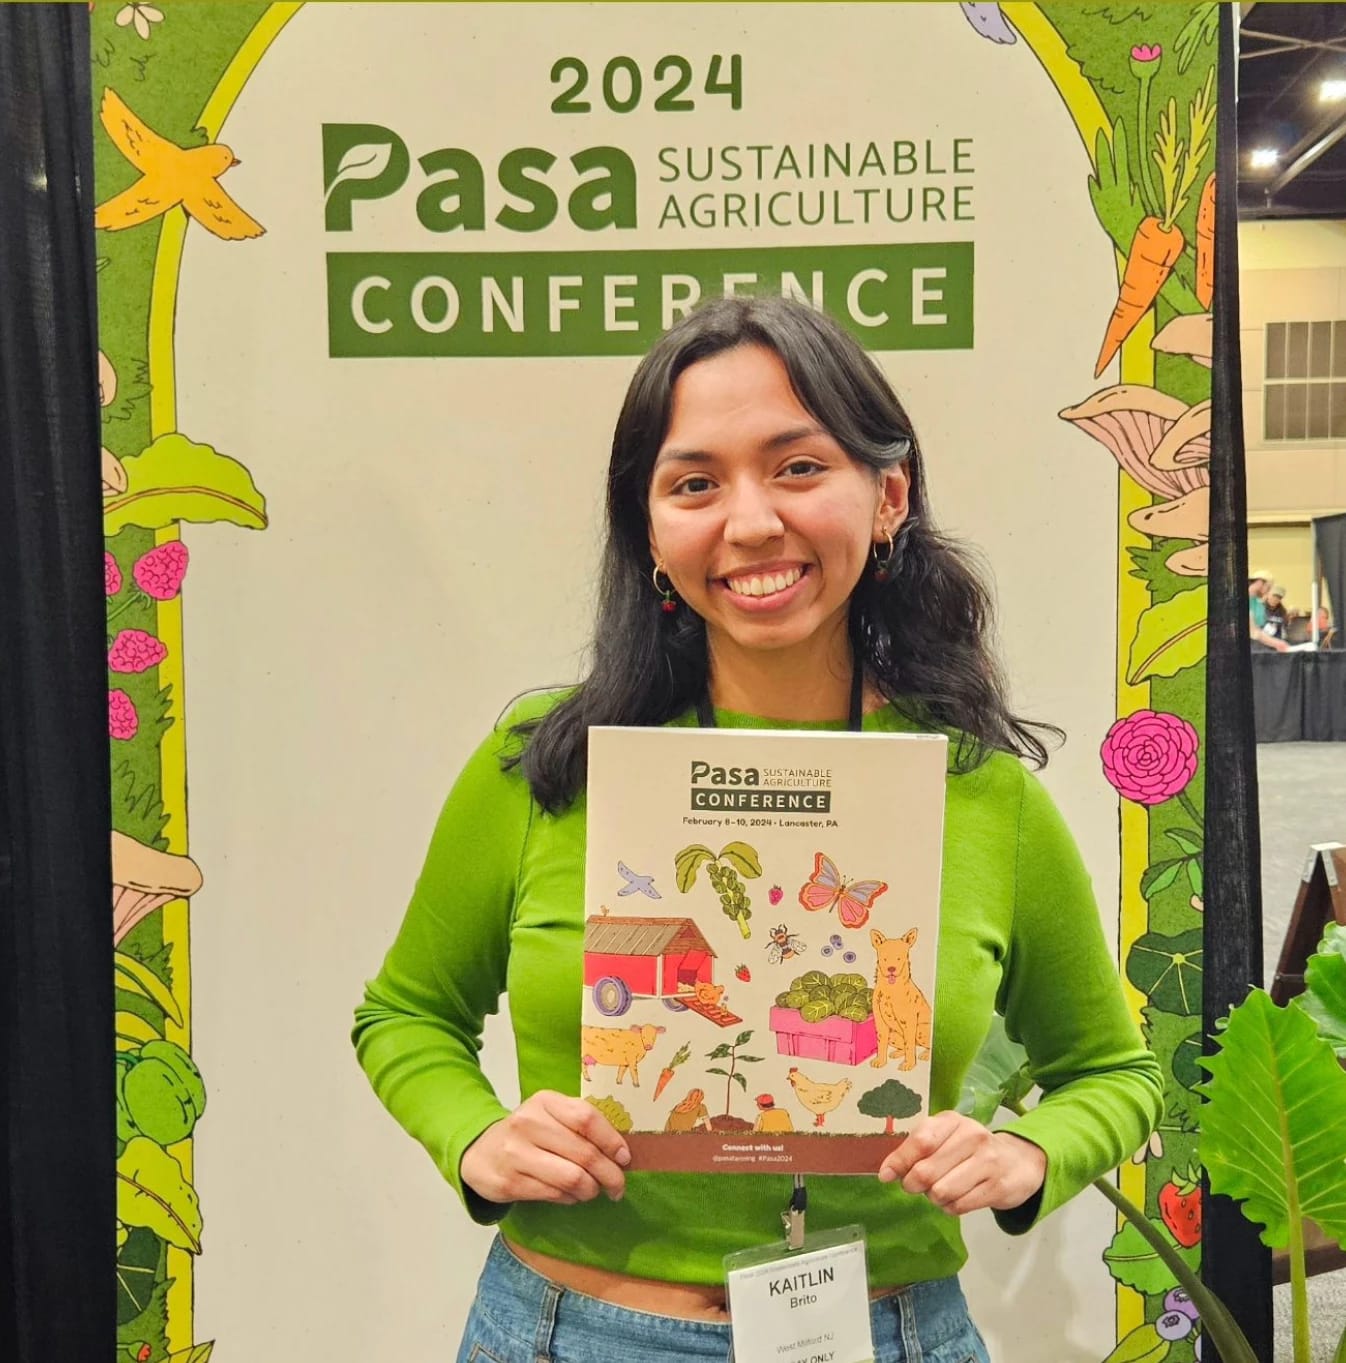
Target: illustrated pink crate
[[836, 1039]]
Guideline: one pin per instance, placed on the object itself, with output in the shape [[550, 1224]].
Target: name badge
[[807, 1306]]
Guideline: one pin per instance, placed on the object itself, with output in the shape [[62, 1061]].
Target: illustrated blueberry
[[1173, 1325], [1178, 1300], [826, 951], [849, 958], [836, 939]]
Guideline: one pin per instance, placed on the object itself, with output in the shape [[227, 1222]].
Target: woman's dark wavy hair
[[923, 635]]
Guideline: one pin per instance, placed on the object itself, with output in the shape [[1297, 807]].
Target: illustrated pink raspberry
[[112, 575], [135, 651], [1150, 756], [159, 573], [122, 720]]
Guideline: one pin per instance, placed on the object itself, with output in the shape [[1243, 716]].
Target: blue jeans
[[520, 1317]]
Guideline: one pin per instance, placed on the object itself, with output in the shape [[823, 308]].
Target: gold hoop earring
[[883, 567], [668, 605]]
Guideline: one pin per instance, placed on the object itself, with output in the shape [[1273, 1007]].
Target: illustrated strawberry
[[1180, 1206], [775, 894], [743, 973]]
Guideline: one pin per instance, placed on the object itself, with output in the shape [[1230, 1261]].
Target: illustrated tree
[[724, 1051], [892, 1101]]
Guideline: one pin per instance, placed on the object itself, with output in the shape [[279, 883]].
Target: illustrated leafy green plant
[[1168, 970], [734, 859], [175, 479], [153, 1192], [724, 1051]]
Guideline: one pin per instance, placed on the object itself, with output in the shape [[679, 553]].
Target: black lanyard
[[705, 711]]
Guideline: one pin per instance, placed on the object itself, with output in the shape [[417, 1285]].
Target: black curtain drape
[[57, 1177], [1234, 1263], [1329, 540]]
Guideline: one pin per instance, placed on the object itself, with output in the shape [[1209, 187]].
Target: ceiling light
[[1332, 90], [1263, 157]]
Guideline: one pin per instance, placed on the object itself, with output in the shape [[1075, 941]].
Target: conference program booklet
[[761, 925]]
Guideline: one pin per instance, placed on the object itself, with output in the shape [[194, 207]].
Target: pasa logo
[[364, 161]]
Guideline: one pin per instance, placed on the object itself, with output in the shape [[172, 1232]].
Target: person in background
[[1327, 632], [1258, 583], [1277, 622]]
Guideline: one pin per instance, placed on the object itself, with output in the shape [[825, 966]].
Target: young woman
[[766, 484]]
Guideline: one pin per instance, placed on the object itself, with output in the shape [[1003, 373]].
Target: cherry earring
[[668, 605]]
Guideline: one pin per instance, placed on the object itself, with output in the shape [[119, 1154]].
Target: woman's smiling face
[[762, 521]]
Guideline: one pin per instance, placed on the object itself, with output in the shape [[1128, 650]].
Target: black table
[[1299, 697]]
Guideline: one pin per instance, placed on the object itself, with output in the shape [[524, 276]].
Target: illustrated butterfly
[[853, 899]]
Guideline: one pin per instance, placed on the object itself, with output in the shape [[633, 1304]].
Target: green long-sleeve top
[[499, 909]]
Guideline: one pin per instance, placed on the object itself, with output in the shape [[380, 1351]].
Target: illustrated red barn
[[626, 958]]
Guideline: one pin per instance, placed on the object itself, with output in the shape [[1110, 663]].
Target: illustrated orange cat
[[901, 1011]]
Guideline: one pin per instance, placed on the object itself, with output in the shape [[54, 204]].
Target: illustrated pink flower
[[135, 651], [112, 575], [159, 573], [1150, 756], [1146, 52], [121, 713]]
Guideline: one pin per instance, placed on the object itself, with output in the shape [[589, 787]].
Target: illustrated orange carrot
[[665, 1074], [1154, 252], [1205, 243]]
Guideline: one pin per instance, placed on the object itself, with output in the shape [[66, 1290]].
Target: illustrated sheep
[[624, 1047]]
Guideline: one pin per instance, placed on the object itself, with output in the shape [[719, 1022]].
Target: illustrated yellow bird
[[169, 175]]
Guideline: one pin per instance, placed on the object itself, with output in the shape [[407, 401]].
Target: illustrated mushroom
[[1184, 518], [114, 474], [1192, 335], [144, 880], [1131, 420], [1165, 446]]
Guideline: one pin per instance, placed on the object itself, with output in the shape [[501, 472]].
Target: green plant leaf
[[152, 1192], [1134, 1263], [740, 1081], [1160, 876], [1168, 970], [1188, 841], [137, 1272], [198, 1353], [1144, 1344], [746, 1059], [1169, 637], [1153, 570], [688, 862], [718, 1071], [721, 1052], [742, 858], [743, 1038], [1272, 1122], [128, 973], [174, 479], [1195, 878], [1324, 997], [997, 1076]]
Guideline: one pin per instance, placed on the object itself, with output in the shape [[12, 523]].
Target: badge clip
[[792, 1218]]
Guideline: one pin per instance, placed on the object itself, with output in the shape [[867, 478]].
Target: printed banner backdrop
[[373, 278]]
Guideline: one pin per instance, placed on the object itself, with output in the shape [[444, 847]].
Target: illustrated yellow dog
[[901, 1011]]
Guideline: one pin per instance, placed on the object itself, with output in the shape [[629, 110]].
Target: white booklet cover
[[762, 916]]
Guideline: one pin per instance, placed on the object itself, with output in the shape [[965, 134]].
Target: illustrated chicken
[[820, 1099]]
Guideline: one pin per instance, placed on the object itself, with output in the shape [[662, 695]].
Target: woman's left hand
[[961, 1166]]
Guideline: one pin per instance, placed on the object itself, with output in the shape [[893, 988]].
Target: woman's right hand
[[551, 1148]]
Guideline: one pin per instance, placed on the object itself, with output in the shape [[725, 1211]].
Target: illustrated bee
[[783, 945]]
